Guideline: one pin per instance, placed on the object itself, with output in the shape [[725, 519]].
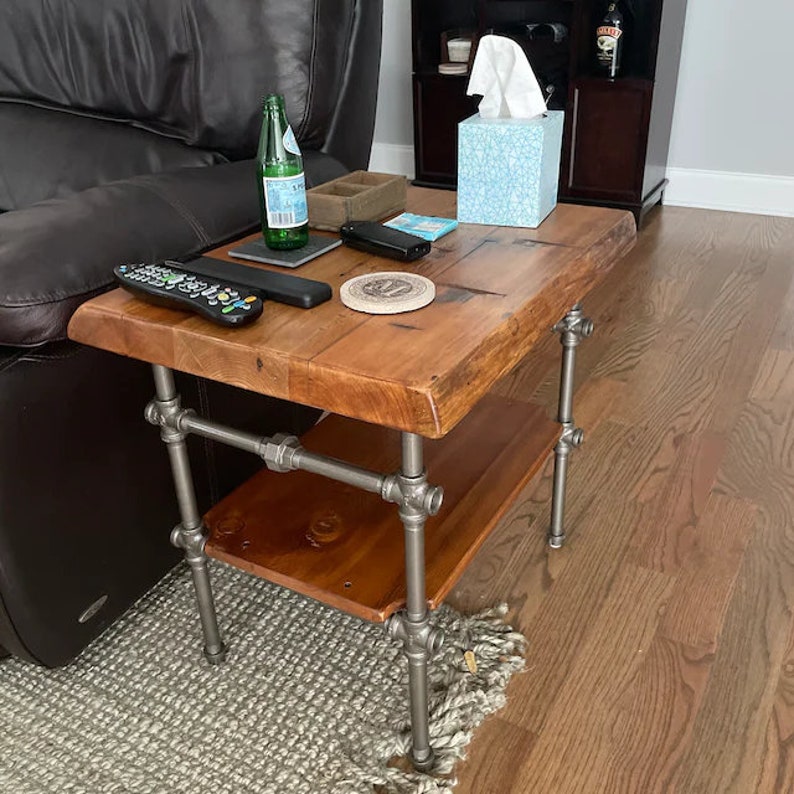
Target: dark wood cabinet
[[617, 132], [605, 160], [437, 109]]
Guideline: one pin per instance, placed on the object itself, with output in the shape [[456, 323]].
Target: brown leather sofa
[[126, 134]]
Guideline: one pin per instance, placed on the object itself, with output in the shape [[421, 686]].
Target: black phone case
[[375, 238]]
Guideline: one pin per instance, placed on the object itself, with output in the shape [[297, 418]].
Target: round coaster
[[387, 293]]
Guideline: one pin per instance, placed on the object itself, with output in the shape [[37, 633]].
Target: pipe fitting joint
[[412, 494], [574, 327], [280, 452], [572, 437], [191, 541], [421, 637]]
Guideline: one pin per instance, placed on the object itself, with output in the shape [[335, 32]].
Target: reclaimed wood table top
[[498, 290]]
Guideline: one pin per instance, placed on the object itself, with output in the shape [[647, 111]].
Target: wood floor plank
[[749, 344], [572, 753], [783, 337], [777, 769], [498, 754], [670, 684], [677, 488], [558, 631], [729, 733], [759, 466], [513, 565], [710, 557], [774, 380]]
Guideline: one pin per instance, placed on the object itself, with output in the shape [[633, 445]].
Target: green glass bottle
[[282, 184]]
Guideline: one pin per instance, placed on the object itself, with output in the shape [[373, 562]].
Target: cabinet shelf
[[433, 72], [617, 132]]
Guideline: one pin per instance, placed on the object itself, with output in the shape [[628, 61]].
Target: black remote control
[[292, 290], [221, 302]]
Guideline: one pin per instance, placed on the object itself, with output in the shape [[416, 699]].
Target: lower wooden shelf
[[343, 546]]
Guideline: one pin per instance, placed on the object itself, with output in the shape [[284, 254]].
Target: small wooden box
[[357, 196]]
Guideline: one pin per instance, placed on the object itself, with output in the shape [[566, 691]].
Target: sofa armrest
[[56, 254]]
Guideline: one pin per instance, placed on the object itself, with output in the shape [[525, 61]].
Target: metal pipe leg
[[191, 534], [417, 500], [572, 329]]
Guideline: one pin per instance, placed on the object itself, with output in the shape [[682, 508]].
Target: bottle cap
[[273, 100]]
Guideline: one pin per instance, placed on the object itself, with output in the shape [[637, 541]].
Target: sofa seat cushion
[[47, 153], [58, 253]]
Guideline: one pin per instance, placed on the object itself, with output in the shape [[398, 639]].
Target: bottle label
[[285, 201], [607, 39], [290, 141], [608, 30]]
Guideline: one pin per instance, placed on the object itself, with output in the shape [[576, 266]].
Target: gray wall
[[735, 103], [394, 119]]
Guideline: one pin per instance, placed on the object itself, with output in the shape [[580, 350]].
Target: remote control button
[[227, 309], [212, 302], [251, 299], [223, 296]]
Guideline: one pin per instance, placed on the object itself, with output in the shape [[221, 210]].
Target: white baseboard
[[392, 158], [689, 187], [757, 194]]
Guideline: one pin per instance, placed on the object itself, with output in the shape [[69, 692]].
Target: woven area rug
[[309, 700]]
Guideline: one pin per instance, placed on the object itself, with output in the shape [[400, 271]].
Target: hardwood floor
[[661, 637]]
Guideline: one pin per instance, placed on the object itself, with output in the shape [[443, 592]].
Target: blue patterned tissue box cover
[[508, 169]]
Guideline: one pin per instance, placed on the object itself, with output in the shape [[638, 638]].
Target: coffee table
[[390, 382]]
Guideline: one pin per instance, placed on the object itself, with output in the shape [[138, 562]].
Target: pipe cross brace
[[415, 636], [574, 327], [413, 495], [167, 415], [572, 437], [191, 541]]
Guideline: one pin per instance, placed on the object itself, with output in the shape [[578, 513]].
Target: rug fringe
[[459, 702]]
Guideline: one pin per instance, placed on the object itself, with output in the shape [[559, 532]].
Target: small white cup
[[459, 50]]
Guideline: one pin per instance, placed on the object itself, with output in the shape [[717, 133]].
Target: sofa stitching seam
[[193, 63], [312, 71], [186, 214]]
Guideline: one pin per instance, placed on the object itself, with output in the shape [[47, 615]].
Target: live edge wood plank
[[499, 289], [343, 546]]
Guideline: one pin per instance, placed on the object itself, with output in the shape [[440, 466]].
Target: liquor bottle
[[610, 40], [282, 184]]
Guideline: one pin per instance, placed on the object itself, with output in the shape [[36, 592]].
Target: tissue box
[[508, 169]]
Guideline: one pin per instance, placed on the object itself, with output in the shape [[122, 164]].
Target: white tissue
[[502, 74]]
